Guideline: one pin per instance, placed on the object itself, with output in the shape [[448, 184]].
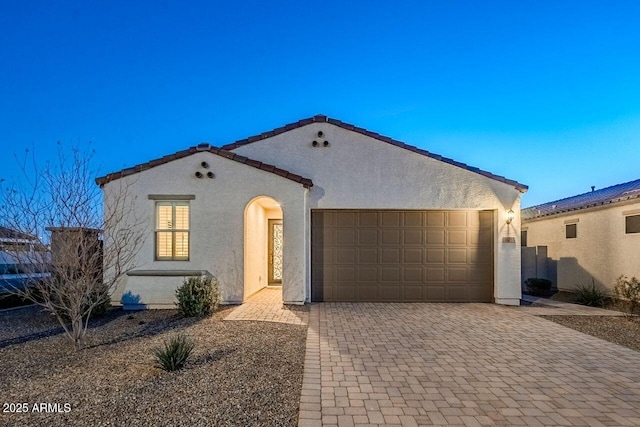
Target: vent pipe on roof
[[593, 188]]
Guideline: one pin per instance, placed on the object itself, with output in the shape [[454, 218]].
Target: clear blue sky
[[543, 92]]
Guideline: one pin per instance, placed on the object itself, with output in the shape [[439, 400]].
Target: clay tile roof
[[307, 183], [615, 193], [320, 118]]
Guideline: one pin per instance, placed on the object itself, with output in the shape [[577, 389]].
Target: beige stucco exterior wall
[[359, 172], [601, 250], [217, 226]]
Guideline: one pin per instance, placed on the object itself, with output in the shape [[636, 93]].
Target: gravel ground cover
[[241, 373], [619, 330]]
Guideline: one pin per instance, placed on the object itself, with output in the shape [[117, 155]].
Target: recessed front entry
[[403, 256], [263, 244], [275, 251]]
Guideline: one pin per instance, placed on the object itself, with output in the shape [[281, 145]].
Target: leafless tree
[[74, 264]]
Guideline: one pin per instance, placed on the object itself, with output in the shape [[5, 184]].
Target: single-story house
[[329, 212], [589, 238]]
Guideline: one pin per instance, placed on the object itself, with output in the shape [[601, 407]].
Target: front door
[[275, 252]]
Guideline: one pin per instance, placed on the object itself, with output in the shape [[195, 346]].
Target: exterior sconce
[[510, 216]]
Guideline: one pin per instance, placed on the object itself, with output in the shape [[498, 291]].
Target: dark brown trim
[[306, 182], [324, 119]]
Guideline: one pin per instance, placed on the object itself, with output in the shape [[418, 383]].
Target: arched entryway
[[263, 243]]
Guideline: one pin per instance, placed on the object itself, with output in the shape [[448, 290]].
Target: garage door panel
[[345, 274], [368, 236], [413, 293], [428, 256], [435, 256], [346, 293], [391, 219], [457, 256], [435, 219], [457, 237], [390, 274], [390, 293], [412, 255], [457, 219], [391, 236], [346, 256], [345, 236], [435, 274], [457, 274], [368, 274], [390, 255], [413, 219], [368, 219], [368, 293], [435, 237], [412, 274], [346, 219], [413, 237], [368, 255]]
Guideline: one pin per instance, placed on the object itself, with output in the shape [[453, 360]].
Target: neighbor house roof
[[324, 119], [9, 233], [204, 147], [613, 194]]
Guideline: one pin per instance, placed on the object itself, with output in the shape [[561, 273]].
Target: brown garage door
[[407, 256]]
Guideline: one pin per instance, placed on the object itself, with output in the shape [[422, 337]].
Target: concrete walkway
[[462, 365], [558, 308], [266, 306]]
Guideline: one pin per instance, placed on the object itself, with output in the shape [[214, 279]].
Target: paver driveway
[[461, 364]]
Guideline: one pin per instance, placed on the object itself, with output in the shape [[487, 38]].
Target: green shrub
[[591, 295], [536, 286], [627, 291], [198, 296], [175, 353]]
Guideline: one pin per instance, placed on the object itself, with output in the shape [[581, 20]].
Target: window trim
[[566, 229], [173, 204], [626, 231]]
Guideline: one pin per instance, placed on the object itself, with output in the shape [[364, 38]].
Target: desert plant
[[627, 291], [89, 241], [198, 296], [536, 286], [591, 295], [175, 352]]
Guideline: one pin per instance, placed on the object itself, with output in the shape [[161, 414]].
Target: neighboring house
[[329, 211], [21, 256], [593, 236]]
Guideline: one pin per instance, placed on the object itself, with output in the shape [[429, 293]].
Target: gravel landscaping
[[241, 373], [619, 330]]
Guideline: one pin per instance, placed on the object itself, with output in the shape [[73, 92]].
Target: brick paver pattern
[[461, 364], [266, 306]]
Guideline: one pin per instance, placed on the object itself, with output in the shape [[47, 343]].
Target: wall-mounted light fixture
[[510, 216]]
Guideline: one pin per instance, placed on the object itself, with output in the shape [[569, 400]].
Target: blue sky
[[543, 92]]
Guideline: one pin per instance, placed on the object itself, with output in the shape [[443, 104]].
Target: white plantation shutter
[[172, 231]]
